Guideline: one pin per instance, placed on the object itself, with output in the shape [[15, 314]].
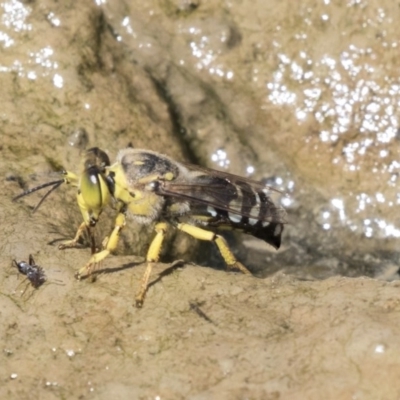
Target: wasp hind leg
[[153, 255], [221, 243]]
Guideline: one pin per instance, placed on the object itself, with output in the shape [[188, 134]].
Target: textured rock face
[[305, 97]]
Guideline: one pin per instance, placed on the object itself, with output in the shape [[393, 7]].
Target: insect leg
[[68, 244], [31, 260], [153, 255], [221, 243], [111, 245], [90, 215]]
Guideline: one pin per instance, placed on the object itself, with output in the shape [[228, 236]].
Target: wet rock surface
[[304, 97]]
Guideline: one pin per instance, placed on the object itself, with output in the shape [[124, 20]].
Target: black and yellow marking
[[94, 193], [154, 189]]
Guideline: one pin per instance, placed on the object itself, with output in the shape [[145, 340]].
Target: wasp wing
[[232, 178], [226, 192]]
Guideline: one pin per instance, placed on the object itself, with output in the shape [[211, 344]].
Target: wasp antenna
[[29, 191], [56, 185]]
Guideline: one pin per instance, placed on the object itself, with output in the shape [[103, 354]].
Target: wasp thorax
[[144, 165]]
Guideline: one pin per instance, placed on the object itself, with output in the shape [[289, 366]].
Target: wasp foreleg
[[71, 178], [111, 245], [69, 244]]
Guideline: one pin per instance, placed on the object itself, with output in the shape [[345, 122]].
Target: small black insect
[[33, 272]]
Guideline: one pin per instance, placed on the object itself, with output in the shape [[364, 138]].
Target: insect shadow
[[100, 271], [168, 271], [195, 306]]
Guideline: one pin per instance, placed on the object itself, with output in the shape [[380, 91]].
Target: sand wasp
[[152, 188]]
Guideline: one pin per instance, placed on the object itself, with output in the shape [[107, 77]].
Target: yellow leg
[[88, 221], [223, 248], [68, 244], [70, 178], [111, 245], [104, 243], [153, 255]]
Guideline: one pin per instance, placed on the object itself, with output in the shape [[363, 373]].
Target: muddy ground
[[305, 98], [201, 334]]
